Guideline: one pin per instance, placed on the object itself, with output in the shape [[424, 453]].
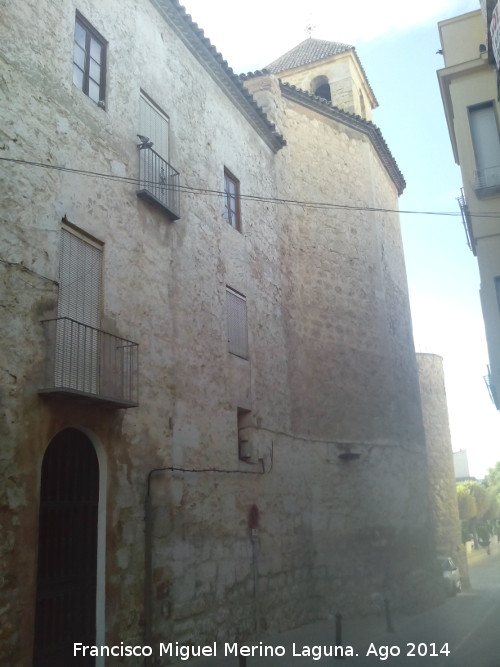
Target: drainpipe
[[253, 524], [148, 571], [148, 542]]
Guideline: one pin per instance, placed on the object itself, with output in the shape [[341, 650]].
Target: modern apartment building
[[469, 91]]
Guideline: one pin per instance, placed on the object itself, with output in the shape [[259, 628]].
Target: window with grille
[[237, 328], [89, 61], [232, 200]]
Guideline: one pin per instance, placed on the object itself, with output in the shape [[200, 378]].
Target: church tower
[[330, 70]]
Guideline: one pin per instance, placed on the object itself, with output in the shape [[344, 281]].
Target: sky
[[397, 44]]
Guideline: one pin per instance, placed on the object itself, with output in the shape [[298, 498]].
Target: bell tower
[[330, 70]]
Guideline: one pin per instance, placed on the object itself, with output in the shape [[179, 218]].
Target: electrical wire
[[23, 267], [203, 470], [187, 189]]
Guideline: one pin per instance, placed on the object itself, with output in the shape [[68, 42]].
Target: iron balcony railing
[[466, 219], [159, 182], [492, 389], [487, 180], [89, 363]]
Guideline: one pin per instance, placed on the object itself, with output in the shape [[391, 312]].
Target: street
[[468, 626], [464, 631]]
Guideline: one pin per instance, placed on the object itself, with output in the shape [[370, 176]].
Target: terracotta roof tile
[[309, 51], [201, 47]]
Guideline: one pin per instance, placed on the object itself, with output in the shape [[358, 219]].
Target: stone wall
[[442, 486], [330, 365]]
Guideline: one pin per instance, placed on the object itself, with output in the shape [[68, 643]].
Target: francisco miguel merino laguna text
[[186, 652]]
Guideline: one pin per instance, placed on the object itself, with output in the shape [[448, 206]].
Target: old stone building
[[211, 418], [442, 486]]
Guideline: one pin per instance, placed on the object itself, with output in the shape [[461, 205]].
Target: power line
[[257, 198]]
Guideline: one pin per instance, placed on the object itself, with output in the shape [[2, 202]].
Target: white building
[[469, 91]]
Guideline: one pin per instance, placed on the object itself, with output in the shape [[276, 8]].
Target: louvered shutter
[[154, 124], [79, 306]]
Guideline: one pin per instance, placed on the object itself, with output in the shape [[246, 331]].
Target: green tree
[[492, 479], [467, 506], [477, 504]]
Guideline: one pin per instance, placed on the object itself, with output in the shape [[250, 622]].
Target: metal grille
[[67, 551], [159, 181], [88, 361], [464, 209], [487, 178], [237, 326]]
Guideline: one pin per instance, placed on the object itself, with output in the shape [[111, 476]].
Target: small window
[[237, 331], [232, 200], [89, 61]]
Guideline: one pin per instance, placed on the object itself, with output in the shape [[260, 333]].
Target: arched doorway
[[67, 551]]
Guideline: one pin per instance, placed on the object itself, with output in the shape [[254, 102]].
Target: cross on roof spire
[[309, 29]]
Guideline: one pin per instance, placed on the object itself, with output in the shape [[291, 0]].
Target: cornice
[[207, 55], [352, 121]]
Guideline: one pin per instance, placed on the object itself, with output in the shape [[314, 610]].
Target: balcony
[[486, 181], [89, 364], [492, 389], [466, 220], [159, 182]]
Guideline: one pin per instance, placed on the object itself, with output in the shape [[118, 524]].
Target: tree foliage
[[479, 507], [477, 501], [467, 506], [492, 479]]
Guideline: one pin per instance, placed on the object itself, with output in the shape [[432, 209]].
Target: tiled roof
[[309, 51], [206, 53]]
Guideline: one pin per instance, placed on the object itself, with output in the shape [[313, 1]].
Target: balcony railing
[[88, 363], [487, 181], [492, 389], [159, 182], [464, 210]]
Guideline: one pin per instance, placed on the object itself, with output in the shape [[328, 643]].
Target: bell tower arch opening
[[320, 87]]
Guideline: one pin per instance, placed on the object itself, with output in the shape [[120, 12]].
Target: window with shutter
[[79, 310], [159, 181], [237, 327], [154, 124]]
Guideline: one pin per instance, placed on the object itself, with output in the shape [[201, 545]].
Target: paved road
[[462, 632], [468, 626]]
